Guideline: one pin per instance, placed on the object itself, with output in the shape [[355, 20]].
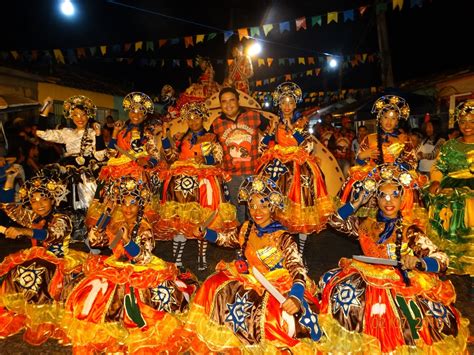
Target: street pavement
[[322, 253]]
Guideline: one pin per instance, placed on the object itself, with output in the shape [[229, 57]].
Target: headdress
[[391, 103], [138, 101], [197, 108], [267, 188], [289, 89], [48, 183], [81, 102], [129, 186], [464, 108]]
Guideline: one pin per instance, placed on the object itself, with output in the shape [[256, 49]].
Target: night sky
[[29, 25]]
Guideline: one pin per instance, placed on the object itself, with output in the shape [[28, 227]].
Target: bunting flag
[[189, 62], [34, 54], [188, 41], [254, 32], [174, 40], [397, 3], [103, 49], [272, 80], [138, 45], [309, 72], [284, 26], [93, 50], [243, 33], [300, 23], [229, 62], [287, 77], [349, 15], [258, 83], [316, 20], [199, 39], [211, 36], [301, 60], [81, 52], [317, 71], [126, 47], [281, 61], [58, 55], [414, 3], [162, 42], [311, 60], [267, 29], [269, 61], [227, 35], [71, 57], [364, 57], [291, 61], [176, 63], [150, 46], [381, 8], [15, 55], [332, 16], [261, 61], [362, 10]]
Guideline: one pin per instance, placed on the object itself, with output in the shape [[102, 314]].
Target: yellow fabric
[[155, 263], [194, 213], [123, 159]]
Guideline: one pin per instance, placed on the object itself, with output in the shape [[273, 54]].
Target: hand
[[291, 306], [434, 187], [198, 233], [126, 235], [13, 233], [272, 128], [372, 153], [409, 262], [419, 155], [12, 173], [118, 125], [96, 128], [363, 195]]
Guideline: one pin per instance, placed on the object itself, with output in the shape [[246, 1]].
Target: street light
[[333, 63], [254, 49], [67, 8]]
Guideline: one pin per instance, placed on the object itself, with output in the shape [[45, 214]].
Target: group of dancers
[[147, 185]]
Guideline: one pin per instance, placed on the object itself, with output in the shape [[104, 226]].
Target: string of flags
[[298, 24]]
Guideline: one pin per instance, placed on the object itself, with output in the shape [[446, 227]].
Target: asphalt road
[[322, 253]]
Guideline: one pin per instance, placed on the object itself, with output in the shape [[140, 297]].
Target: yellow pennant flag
[[272, 80], [103, 49], [269, 61], [261, 61], [138, 45], [364, 57], [301, 60], [373, 89], [58, 55], [199, 39], [309, 72], [243, 32], [332, 16], [15, 55], [267, 28], [397, 3], [258, 83]]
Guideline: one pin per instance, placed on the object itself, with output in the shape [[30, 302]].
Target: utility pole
[[384, 49]]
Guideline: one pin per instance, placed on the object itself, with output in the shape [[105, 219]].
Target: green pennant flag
[[211, 36], [316, 20], [254, 31], [150, 46]]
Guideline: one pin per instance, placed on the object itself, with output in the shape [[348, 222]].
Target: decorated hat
[[49, 183], [80, 102], [130, 186], [287, 89], [391, 103], [138, 101], [257, 185], [464, 108], [193, 108]]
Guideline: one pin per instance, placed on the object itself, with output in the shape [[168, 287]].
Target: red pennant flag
[[317, 71], [188, 41], [310, 60], [287, 76], [362, 10], [189, 62], [300, 23], [127, 46], [162, 42], [81, 52]]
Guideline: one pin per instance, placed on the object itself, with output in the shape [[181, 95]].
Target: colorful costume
[[130, 300], [370, 308], [193, 186], [289, 159], [452, 209], [35, 282], [233, 312], [206, 86], [240, 71], [394, 147], [133, 143]]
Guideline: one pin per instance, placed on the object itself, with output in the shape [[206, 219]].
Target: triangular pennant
[[300, 23], [397, 3], [162, 63], [332, 16], [258, 83], [243, 33], [260, 61], [364, 57], [267, 28], [81, 53], [291, 61], [316, 20], [176, 63], [71, 56], [370, 58], [348, 15], [189, 62], [309, 72], [211, 36], [161, 42], [16, 55], [301, 60], [34, 54], [138, 45], [284, 26], [362, 10], [320, 59], [229, 62], [150, 46], [174, 40], [269, 61], [93, 50], [126, 47], [281, 61], [414, 3], [310, 60], [116, 48], [103, 49], [58, 55], [199, 39], [373, 89], [272, 80], [188, 41], [287, 76], [227, 35], [317, 71], [254, 31], [358, 58]]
